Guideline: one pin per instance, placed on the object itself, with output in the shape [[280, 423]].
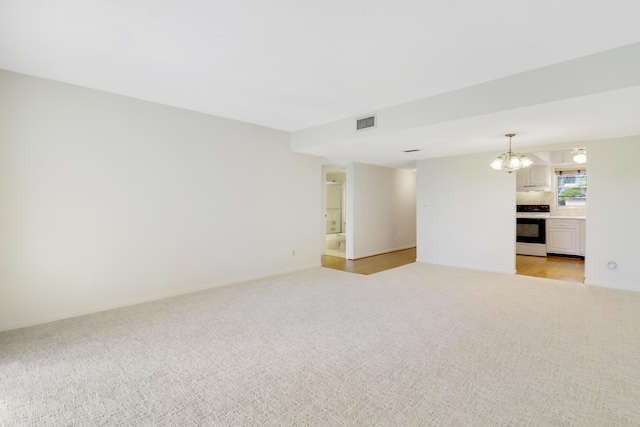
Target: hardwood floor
[[372, 264], [558, 268]]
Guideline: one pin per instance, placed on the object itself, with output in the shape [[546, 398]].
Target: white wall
[[107, 201], [381, 214], [466, 213], [613, 208]]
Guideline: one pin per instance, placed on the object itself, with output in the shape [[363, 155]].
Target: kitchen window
[[571, 187]]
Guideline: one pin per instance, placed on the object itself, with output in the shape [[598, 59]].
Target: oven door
[[531, 230]]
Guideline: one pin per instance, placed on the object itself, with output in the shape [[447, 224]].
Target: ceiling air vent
[[366, 123]]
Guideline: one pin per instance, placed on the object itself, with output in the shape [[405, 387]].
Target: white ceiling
[[293, 65]]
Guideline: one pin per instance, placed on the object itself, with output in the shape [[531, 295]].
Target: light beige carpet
[[419, 345]]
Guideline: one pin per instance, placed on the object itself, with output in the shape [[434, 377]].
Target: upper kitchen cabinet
[[533, 178]]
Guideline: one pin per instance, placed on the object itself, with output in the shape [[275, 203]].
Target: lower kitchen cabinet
[[582, 234], [566, 236]]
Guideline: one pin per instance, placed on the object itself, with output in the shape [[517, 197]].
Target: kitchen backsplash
[[546, 198], [534, 198]]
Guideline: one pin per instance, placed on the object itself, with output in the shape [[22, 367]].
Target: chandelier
[[511, 161]]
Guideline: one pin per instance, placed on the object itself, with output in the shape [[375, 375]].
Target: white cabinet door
[[582, 234], [522, 178], [533, 178], [539, 176], [561, 241], [562, 236]]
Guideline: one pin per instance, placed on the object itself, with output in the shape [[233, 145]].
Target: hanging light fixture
[[511, 161], [581, 157]]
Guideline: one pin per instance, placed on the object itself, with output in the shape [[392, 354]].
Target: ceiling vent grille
[[366, 123]]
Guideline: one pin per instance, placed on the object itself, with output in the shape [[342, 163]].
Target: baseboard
[[367, 255], [164, 295], [615, 286], [467, 267]]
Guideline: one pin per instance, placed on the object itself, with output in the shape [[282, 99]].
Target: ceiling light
[[511, 161], [581, 157]]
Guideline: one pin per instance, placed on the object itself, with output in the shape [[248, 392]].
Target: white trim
[[467, 267], [401, 248]]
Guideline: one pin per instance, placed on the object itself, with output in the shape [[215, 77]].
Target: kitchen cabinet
[[566, 236], [582, 234], [533, 178]]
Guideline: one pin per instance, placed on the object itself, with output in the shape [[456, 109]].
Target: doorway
[[335, 204], [564, 226]]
